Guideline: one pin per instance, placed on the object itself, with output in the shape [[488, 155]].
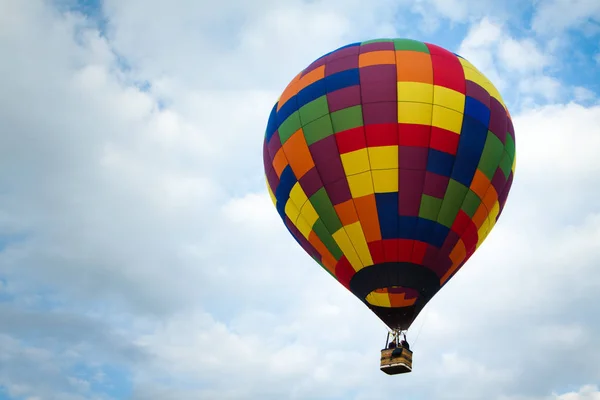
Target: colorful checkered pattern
[[390, 150]]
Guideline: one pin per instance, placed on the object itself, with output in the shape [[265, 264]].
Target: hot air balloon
[[390, 161]]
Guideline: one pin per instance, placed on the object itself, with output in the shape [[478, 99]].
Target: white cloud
[[551, 17], [146, 227]]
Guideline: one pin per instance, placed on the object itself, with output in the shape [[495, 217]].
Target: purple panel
[[413, 157], [341, 64], [380, 91], [327, 160], [431, 257], [272, 177], [435, 185], [343, 98], [365, 48], [311, 182], [498, 120], [377, 73], [477, 92], [498, 181], [502, 198], [449, 243], [338, 191], [442, 265], [380, 113], [411, 187], [274, 145], [344, 52]]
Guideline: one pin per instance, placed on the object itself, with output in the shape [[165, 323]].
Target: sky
[[140, 254]]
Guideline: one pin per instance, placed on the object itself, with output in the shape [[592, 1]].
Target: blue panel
[[272, 125], [439, 234], [470, 146], [407, 227], [476, 109], [387, 209], [282, 193], [290, 107], [440, 162], [431, 232], [311, 92], [343, 79]]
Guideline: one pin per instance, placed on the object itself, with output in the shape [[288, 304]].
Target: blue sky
[[141, 257]]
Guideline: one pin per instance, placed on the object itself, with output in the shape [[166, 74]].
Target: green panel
[[409, 44], [471, 203], [510, 147], [314, 110], [347, 118], [327, 239], [376, 41], [317, 130], [491, 155], [322, 204], [430, 207], [453, 200], [289, 127], [506, 164]]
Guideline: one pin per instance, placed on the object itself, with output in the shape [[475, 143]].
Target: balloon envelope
[[390, 161]]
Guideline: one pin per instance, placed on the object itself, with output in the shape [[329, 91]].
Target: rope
[[421, 327]]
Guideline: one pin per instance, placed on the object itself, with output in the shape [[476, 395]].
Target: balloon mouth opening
[[392, 297]]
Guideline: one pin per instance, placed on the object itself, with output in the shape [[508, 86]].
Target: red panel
[[382, 135], [344, 272], [405, 248], [414, 135], [418, 252], [351, 140], [377, 254], [444, 140], [390, 250]]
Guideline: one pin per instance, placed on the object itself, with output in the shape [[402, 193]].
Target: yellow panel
[[494, 214], [415, 92], [357, 236], [514, 163], [483, 232], [383, 157], [309, 213], [414, 113], [291, 210], [385, 180], [447, 119], [361, 184], [378, 299], [449, 98], [297, 195], [303, 226], [343, 241], [356, 162], [271, 195]]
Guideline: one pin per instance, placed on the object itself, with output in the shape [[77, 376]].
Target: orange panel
[[414, 66], [310, 78], [480, 215], [346, 212], [366, 207], [298, 155], [279, 162], [289, 92], [377, 58], [491, 197], [480, 184]]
